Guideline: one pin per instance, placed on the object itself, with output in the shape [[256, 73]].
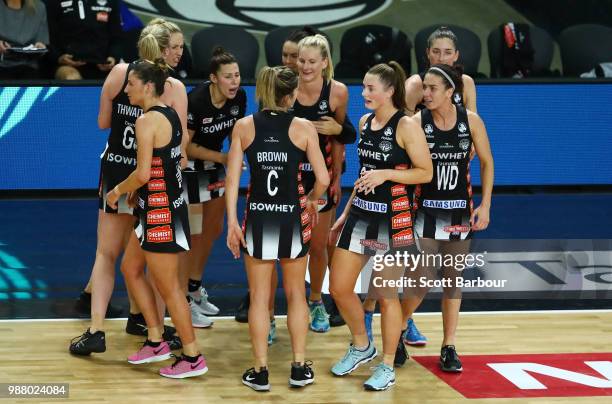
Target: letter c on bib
[[271, 191]]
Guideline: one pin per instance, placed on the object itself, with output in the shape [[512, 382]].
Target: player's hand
[[480, 218], [369, 180], [235, 239], [327, 126], [312, 208], [335, 191], [112, 197], [132, 198], [335, 230]]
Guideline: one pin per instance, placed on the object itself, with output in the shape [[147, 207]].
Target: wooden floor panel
[[36, 352]]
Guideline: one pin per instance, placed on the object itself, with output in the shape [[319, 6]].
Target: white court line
[[435, 313]]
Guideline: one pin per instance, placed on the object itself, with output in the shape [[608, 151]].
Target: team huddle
[[162, 204]]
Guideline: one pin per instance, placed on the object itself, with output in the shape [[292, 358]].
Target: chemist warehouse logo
[[17, 102], [259, 15]]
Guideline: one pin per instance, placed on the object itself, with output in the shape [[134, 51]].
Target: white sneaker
[[201, 299], [198, 319]]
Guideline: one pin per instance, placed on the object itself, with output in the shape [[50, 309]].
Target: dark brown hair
[[453, 72], [392, 75], [220, 57], [155, 72]]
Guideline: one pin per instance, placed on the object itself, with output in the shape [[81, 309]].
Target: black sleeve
[[348, 134], [115, 32]]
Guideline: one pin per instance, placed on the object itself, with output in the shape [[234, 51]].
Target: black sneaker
[[449, 360], [136, 325], [87, 343], [83, 306], [258, 381], [301, 375], [242, 316], [173, 340], [401, 354], [335, 318]]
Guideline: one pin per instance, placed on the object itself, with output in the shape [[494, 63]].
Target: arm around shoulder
[[110, 89], [469, 93]]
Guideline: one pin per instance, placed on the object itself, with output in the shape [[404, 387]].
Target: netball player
[[279, 217], [289, 55], [214, 107], [162, 230], [441, 49], [377, 220], [159, 39], [347, 134], [322, 100], [445, 217]]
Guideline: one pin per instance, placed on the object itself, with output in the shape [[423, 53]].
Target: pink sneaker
[[149, 354], [181, 369]]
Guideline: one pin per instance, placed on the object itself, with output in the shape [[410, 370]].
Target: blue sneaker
[[272, 332], [382, 378], [413, 336], [319, 317], [368, 324], [353, 359]]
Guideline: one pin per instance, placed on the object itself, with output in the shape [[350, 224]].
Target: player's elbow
[[143, 176], [103, 123], [324, 179], [427, 174]]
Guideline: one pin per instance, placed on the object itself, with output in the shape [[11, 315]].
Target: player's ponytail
[[392, 75], [155, 72], [273, 84], [155, 37], [148, 46]]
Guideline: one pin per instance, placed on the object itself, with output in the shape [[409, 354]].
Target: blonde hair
[[320, 42], [155, 37], [273, 84]]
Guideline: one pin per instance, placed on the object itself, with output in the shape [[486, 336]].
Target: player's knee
[[318, 248]]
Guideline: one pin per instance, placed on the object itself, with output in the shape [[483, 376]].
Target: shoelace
[[203, 294], [452, 354], [177, 359], [308, 366], [81, 338], [380, 368], [352, 352], [319, 312]]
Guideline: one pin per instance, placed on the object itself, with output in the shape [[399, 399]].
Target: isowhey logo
[[259, 15]]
